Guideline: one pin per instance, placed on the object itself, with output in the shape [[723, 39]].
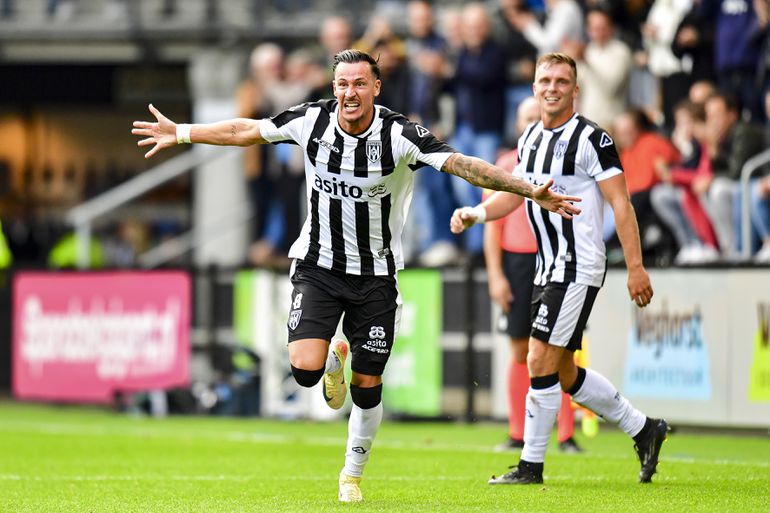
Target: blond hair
[[558, 58]]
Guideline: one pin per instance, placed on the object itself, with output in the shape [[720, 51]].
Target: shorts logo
[[294, 317], [541, 321], [376, 342], [560, 149], [373, 150], [605, 141], [421, 131]]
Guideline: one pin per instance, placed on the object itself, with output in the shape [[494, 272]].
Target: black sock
[[534, 468], [641, 434]]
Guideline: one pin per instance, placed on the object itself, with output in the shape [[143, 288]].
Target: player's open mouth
[[351, 106], [552, 99]]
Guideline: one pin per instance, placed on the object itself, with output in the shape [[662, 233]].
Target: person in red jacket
[[675, 199]]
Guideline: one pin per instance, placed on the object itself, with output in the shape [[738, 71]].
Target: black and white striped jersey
[[577, 155], [359, 187]]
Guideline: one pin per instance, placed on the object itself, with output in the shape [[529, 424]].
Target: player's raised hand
[[555, 202], [462, 219], [162, 134]]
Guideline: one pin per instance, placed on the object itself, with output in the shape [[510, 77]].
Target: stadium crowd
[[677, 83], [682, 85]]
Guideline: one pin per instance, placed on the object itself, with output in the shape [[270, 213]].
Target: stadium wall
[[699, 354]]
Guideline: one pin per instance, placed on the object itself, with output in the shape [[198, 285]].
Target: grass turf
[[76, 459]]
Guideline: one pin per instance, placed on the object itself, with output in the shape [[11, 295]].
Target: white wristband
[[183, 134], [479, 213]]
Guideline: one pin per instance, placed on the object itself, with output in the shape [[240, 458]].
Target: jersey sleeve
[[286, 126], [422, 148], [601, 156]]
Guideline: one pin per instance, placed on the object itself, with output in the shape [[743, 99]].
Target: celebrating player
[[359, 160]]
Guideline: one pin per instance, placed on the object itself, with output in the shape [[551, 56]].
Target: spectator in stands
[[641, 151], [737, 46], [693, 45], [674, 199], [380, 40], [564, 22], [379, 32], [701, 91], [762, 8], [395, 94], [428, 68], [520, 56], [658, 31], [275, 174], [452, 31], [730, 143], [479, 86], [760, 199], [760, 216], [603, 88], [335, 35]]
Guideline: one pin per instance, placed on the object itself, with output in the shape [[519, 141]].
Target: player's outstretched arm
[[481, 173], [615, 192], [164, 133]]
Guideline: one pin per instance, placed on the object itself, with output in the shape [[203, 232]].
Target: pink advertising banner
[[84, 336]]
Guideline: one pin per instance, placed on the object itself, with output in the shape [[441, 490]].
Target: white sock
[[600, 396], [542, 407], [362, 428], [332, 362]]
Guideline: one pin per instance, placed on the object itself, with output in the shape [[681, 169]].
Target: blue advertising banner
[[667, 356]]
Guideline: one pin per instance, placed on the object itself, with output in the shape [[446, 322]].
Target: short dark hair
[[730, 101], [351, 56], [695, 110], [641, 120]]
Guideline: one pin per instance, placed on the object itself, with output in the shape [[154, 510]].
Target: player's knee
[[307, 378], [366, 398]]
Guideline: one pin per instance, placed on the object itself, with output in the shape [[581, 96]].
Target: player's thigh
[[315, 309], [519, 269], [560, 312], [372, 318]]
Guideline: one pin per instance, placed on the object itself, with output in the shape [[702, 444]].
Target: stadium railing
[[751, 166], [83, 216]]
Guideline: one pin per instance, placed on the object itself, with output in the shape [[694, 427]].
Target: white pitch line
[[256, 437], [240, 478]]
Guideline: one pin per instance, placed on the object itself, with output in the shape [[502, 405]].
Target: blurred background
[[160, 285]]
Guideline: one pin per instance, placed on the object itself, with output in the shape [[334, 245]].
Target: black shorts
[[371, 304], [519, 270], [560, 312]]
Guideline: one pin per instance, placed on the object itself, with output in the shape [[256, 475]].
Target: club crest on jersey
[[560, 149], [373, 150], [294, 317], [605, 141], [421, 130]]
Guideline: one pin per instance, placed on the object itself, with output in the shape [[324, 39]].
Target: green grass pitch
[[75, 459]]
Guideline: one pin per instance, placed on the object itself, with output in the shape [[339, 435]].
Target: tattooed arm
[[481, 173], [163, 133]]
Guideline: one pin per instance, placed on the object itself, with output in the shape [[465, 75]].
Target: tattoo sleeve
[[481, 173]]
